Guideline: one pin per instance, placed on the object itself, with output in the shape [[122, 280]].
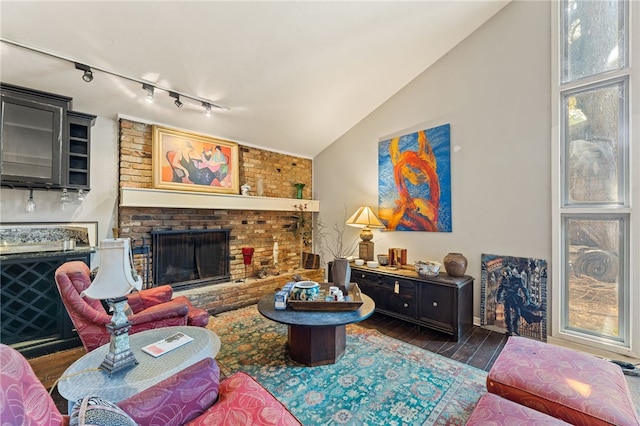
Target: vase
[[341, 272], [455, 264], [299, 187]]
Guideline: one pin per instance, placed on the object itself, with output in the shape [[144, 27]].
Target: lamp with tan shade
[[366, 219]]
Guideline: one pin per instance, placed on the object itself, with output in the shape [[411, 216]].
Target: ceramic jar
[[305, 290], [455, 264]]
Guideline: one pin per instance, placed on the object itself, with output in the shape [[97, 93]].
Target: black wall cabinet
[[43, 143]]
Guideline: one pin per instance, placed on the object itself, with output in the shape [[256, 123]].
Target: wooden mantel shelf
[[144, 197]]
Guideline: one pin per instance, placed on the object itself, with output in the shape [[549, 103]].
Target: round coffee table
[[316, 337], [82, 378]]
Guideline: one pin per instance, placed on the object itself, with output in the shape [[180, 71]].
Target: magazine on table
[[167, 344]]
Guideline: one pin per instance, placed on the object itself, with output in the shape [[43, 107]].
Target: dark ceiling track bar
[[88, 76]]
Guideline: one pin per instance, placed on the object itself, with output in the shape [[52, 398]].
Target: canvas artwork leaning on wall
[[514, 295]]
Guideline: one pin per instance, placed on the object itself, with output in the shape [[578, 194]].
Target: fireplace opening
[[189, 258]]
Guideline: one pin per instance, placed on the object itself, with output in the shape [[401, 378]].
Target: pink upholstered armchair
[[152, 308], [194, 396]]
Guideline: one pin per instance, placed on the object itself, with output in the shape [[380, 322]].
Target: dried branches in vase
[[331, 239]]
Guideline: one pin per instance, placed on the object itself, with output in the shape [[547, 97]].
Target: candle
[[275, 253]]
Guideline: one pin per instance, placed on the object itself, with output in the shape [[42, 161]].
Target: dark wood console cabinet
[[442, 303]]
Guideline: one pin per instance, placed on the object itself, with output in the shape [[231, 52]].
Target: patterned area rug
[[378, 381]]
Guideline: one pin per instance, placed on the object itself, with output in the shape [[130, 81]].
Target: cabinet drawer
[[439, 305], [390, 298], [402, 286], [365, 278], [389, 302]]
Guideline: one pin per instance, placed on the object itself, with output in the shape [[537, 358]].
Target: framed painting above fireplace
[[192, 162]]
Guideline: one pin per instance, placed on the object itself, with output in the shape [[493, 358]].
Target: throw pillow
[[97, 411]]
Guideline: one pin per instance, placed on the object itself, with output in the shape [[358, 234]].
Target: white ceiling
[[295, 75]]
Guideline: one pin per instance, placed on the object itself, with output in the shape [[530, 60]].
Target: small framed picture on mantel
[[191, 162]]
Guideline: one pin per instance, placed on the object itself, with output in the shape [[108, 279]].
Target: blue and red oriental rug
[[378, 381]]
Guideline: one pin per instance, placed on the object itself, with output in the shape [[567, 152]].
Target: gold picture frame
[[187, 161]]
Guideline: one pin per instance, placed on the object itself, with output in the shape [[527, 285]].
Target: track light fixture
[[149, 88], [207, 109], [177, 99], [88, 74]]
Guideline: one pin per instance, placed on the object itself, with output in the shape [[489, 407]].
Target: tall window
[[593, 214]]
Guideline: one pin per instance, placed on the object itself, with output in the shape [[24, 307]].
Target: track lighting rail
[[88, 75]]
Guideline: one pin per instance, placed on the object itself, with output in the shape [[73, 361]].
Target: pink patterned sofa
[[495, 410], [195, 396], [565, 384], [152, 308]]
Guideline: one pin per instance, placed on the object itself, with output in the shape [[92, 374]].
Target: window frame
[[628, 189]]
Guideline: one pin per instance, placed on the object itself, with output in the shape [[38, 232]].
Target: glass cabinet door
[[31, 141]]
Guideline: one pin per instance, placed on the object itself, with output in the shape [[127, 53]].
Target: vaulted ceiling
[[295, 75]]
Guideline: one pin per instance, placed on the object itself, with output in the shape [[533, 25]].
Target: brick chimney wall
[[256, 229]]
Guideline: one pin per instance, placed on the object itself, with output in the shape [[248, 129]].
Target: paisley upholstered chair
[[194, 396], [151, 308]]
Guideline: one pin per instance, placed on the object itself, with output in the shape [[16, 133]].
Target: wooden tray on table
[[322, 305]]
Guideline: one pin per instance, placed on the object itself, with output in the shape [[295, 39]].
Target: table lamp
[[366, 219], [115, 279]]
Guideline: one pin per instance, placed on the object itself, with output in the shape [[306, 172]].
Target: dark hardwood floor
[[478, 348]]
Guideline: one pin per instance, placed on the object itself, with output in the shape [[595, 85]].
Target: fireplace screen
[[187, 258]]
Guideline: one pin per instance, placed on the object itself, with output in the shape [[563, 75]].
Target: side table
[[81, 379]]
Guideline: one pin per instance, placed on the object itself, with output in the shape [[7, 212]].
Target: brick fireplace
[[247, 228]]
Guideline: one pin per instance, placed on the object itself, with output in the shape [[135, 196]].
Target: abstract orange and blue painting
[[414, 181]]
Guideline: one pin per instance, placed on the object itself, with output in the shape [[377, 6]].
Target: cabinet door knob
[[362, 276], [435, 304], [406, 305]]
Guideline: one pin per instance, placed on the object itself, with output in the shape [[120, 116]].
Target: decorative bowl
[[430, 268], [383, 259], [372, 264], [359, 262], [305, 290]]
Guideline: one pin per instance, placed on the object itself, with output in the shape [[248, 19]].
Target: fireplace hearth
[[190, 258]]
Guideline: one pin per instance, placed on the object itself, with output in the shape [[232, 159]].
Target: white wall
[[494, 89], [101, 202]]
